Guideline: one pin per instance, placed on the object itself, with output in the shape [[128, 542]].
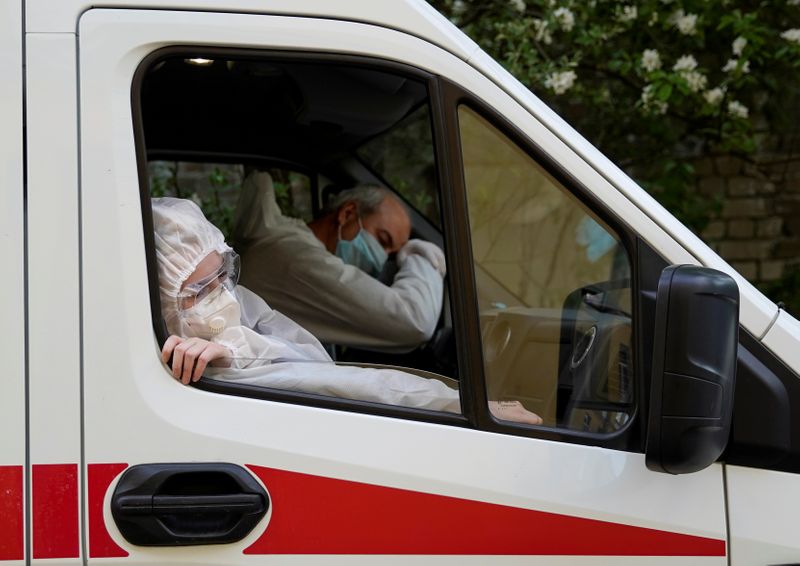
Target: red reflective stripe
[[55, 511], [317, 515], [11, 534], [101, 545]]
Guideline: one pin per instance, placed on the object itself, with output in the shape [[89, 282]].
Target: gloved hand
[[190, 356], [513, 411], [428, 250]]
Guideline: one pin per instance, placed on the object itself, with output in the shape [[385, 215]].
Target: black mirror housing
[[694, 369]]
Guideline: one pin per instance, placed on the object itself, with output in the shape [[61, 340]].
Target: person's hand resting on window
[[514, 411], [191, 356]]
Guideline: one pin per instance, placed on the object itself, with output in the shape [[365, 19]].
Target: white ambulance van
[[667, 384]]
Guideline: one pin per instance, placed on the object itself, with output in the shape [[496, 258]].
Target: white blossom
[[459, 7], [696, 80], [565, 18], [793, 2], [737, 109], [541, 32], [738, 45], [686, 23], [650, 103], [651, 60], [685, 63], [732, 64], [560, 82], [714, 96], [792, 35], [518, 5], [653, 19], [628, 14]]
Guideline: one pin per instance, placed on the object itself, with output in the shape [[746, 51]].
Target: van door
[[345, 479], [12, 301]]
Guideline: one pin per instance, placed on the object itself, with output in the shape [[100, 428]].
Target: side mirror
[[694, 369]]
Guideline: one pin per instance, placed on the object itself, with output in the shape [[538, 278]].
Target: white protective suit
[[268, 349], [285, 263]]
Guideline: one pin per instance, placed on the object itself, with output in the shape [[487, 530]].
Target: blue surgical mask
[[598, 242], [363, 251]]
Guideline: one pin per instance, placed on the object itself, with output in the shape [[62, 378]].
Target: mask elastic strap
[[360, 227]]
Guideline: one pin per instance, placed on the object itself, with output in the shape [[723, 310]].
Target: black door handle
[[244, 503], [185, 504]]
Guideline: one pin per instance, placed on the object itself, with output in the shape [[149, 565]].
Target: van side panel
[[135, 413], [12, 297], [761, 505], [53, 288]]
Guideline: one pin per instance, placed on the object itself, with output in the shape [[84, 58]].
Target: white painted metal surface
[[783, 339], [761, 510], [53, 260], [12, 347], [160, 420], [12, 298], [415, 17]]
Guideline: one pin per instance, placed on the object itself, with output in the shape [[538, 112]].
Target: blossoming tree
[[653, 83]]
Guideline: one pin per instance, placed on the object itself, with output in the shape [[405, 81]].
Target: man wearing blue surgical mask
[[323, 275]]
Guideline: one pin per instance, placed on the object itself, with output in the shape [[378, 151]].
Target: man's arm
[[340, 303]]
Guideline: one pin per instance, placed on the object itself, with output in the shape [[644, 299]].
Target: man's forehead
[[393, 216]]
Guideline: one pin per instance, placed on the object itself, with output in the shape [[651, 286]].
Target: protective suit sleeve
[[269, 323], [251, 349], [385, 386], [339, 303], [265, 335], [428, 250]]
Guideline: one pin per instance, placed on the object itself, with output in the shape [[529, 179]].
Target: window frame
[[444, 98], [379, 175], [159, 326], [631, 436]]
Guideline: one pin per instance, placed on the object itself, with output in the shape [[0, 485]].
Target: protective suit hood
[[183, 239]]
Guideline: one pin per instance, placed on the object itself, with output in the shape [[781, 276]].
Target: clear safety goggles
[[227, 275]]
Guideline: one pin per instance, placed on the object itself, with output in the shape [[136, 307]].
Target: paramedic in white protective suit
[[214, 322], [323, 275]]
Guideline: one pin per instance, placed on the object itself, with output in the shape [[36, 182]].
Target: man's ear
[[346, 213]]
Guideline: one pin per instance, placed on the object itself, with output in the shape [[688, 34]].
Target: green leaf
[[664, 91]]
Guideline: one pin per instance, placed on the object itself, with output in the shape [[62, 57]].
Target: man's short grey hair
[[367, 198]]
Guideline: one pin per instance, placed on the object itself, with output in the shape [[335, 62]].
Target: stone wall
[[758, 227]]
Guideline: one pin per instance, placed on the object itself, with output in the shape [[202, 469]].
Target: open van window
[[264, 144]]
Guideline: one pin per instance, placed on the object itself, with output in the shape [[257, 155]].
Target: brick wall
[[758, 227]]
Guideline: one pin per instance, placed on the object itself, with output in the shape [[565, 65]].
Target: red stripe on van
[[11, 535], [55, 511], [101, 545], [317, 515]]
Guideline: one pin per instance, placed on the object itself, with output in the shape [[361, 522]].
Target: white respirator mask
[[209, 317]]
